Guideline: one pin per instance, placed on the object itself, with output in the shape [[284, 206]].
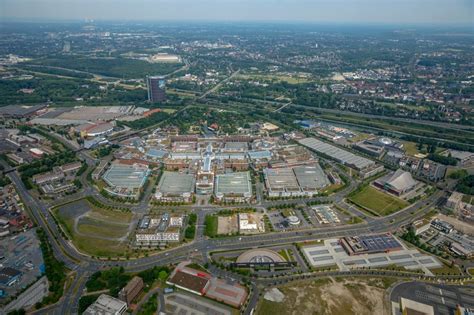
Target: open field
[[95, 231], [330, 296], [410, 148], [378, 202]]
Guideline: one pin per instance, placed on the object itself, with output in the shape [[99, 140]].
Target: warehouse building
[[342, 156], [233, 187], [175, 186], [20, 112]]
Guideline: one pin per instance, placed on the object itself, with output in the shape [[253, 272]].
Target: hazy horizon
[[434, 12]]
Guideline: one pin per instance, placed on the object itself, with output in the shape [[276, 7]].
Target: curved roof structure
[[260, 255], [401, 180]]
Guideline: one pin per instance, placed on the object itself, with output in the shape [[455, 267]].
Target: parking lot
[[443, 298], [23, 253], [187, 304], [281, 223]]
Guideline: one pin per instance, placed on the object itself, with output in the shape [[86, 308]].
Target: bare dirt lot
[[331, 296], [227, 225]]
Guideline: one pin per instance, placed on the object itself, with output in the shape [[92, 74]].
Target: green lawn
[[377, 202], [211, 223]]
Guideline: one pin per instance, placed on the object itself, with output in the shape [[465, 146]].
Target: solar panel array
[[378, 243]]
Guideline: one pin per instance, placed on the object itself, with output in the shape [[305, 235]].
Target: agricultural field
[[378, 202], [330, 296], [93, 230]]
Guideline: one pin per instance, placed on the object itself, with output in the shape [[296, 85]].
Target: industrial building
[[397, 183], [156, 88], [175, 186], [20, 112], [105, 304], [126, 178], [233, 187], [370, 244]]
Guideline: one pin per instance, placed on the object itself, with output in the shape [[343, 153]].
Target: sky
[[317, 11]]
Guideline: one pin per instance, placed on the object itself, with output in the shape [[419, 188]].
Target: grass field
[[411, 148], [98, 231], [379, 203], [330, 296], [211, 223]]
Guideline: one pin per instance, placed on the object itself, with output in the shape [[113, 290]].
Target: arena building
[[397, 183]]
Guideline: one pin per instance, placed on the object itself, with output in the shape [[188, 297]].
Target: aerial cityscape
[[224, 163]]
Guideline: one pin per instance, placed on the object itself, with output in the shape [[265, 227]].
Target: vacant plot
[[377, 202], [93, 230], [92, 227], [227, 225], [411, 148], [329, 296]]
